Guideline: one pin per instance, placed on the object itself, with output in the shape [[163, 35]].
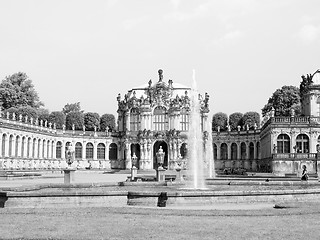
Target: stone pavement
[[58, 177]]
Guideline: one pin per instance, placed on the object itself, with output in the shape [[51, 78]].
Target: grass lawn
[[298, 221]]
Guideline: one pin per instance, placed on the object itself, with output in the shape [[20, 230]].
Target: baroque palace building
[[155, 117]]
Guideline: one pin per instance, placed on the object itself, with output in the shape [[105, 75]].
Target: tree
[[75, 118], [17, 90], [91, 120], [27, 111], [251, 119], [282, 100], [10, 111], [235, 120], [72, 107], [43, 114], [107, 120], [59, 118], [219, 119]]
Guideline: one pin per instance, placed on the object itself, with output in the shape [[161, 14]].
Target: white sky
[[89, 51]]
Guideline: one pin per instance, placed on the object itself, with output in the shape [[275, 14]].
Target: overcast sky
[[89, 51]]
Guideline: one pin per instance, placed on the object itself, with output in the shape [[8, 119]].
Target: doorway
[[156, 148]]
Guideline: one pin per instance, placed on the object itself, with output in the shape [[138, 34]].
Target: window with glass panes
[[283, 143], [78, 150], [101, 151], [184, 119], [134, 119], [302, 143], [160, 119], [58, 149], [89, 151]]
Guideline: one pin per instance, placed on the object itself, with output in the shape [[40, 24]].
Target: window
[[28, 148], [234, 151], [251, 151], [23, 146], [113, 151], [160, 119], [89, 151], [134, 119], [318, 106], [283, 144], [78, 151], [17, 146], [243, 149], [302, 143], [184, 119], [101, 151], [10, 145], [4, 137], [58, 149], [224, 151]]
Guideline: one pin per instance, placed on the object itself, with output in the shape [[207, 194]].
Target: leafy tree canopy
[[75, 118], [91, 120], [59, 118], [235, 120], [43, 114], [72, 107], [17, 90], [107, 120], [282, 100], [219, 120], [251, 119]]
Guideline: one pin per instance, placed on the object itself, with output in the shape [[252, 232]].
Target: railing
[[295, 120], [294, 156]]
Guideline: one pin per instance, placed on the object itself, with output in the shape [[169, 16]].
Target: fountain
[[195, 140]]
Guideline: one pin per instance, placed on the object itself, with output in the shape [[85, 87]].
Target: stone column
[[63, 150], [95, 150], [45, 149], [54, 156], [6, 150], [255, 152], [128, 157], [13, 147], [19, 147], [218, 151]]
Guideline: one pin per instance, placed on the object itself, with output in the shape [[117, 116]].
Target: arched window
[[134, 119], [58, 149], [17, 146], [160, 119], [43, 148], [48, 149], [10, 145], [224, 151], [28, 148], [101, 151], [78, 151], [39, 144], [243, 152], [234, 151], [3, 149], [113, 151], [34, 148], [302, 143], [215, 151], [283, 143], [184, 115], [23, 142], [89, 151], [251, 151]]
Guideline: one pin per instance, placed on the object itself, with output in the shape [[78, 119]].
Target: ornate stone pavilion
[[154, 116]]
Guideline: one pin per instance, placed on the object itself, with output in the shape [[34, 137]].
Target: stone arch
[[23, 146], [251, 151], [29, 145], [16, 150], [156, 146], [224, 151], [113, 151], [101, 151], [234, 151], [59, 150], [243, 151], [11, 145], [3, 146], [78, 150], [89, 150], [34, 141], [135, 149]]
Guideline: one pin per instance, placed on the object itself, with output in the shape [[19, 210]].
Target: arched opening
[[89, 151], [43, 148], [251, 151], [113, 151], [78, 151], [302, 142], [38, 154], [48, 149], [184, 151], [224, 151], [3, 148], [101, 151], [10, 145], [156, 148], [59, 150], [283, 143], [23, 142], [243, 152], [17, 146], [34, 148], [135, 149], [28, 147], [234, 151]]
